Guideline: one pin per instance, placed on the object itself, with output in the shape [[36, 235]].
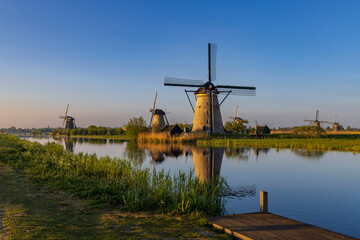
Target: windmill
[[158, 118], [336, 125], [207, 115], [238, 119], [316, 122], [69, 122]]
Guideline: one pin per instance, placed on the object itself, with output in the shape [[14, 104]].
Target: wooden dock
[[271, 226], [264, 225]]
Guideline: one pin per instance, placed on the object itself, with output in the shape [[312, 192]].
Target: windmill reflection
[[158, 152], [309, 154], [260, 151], [207, 162], [69, 144]]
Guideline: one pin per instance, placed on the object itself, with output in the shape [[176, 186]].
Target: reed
[[114, 181]]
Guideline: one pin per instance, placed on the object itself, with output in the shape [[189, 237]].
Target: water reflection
[[69, 144], [309, 154], [207, 162], [158, 152], [134, 152]]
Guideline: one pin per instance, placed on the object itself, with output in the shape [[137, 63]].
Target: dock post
[[263, 202]]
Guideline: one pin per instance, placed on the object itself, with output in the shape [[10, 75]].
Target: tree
[[309, 131], [119, 131], [92, 130], [73, 131], [135, 126], [235, 127]]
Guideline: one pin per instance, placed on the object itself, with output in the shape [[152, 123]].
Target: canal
[[315, 187]]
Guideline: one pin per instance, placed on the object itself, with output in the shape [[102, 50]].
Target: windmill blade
[[317, 114], [178, 82], [237, 90], [166, 120], [152, 115], [67, 108], [237, 111], [309, 121], [155, 101], [325, 122], [212, 61], [335, 118], [66, 111]]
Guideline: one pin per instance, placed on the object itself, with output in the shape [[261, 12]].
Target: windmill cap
[[159, 112]]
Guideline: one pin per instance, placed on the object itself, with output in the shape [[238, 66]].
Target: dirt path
[[29, 211]]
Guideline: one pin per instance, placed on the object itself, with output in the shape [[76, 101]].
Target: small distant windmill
[[69, 122], [238, 119], [316, 122], [158, 118], [336, 125], [207, 115]]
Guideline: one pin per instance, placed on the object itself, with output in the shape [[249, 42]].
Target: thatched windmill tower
[[316, 122], [238, 119], [69, 122], [158, 118], [207, 115]]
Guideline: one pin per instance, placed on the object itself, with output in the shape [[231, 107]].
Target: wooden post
[[263, 201]]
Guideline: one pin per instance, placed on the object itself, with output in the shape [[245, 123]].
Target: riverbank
[[306, 143], [31, 211], [85, 202]]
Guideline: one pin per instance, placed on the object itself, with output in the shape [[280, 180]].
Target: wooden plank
[[271, 226]]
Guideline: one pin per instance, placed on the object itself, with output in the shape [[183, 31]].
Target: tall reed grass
[[114, 181]]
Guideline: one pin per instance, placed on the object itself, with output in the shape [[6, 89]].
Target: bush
[[135, 126]]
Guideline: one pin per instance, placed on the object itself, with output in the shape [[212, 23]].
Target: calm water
[[319, 188]]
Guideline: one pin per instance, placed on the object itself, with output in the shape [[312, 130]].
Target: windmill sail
[[212, 61], [179, 82]]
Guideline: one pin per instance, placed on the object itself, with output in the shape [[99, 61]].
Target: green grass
[[307, 143], [113, 181], [31, 211]]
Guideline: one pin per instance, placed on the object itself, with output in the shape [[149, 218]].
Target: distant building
[[172, 129], [259, 130]]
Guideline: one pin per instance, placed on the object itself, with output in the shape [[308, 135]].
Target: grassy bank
[[307, 143], [46, 193], [112, 181], [31, 211]]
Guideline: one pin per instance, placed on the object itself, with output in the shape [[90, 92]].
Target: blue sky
[[107, 59]]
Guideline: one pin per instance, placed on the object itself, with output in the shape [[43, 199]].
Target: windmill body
[[207, 115], [69, 122], [158, 118], [207, 104], [336, 125]]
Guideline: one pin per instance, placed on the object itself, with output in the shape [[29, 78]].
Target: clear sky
[[108, 58]]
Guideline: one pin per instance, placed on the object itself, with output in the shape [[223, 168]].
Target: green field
[[337, 144]]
